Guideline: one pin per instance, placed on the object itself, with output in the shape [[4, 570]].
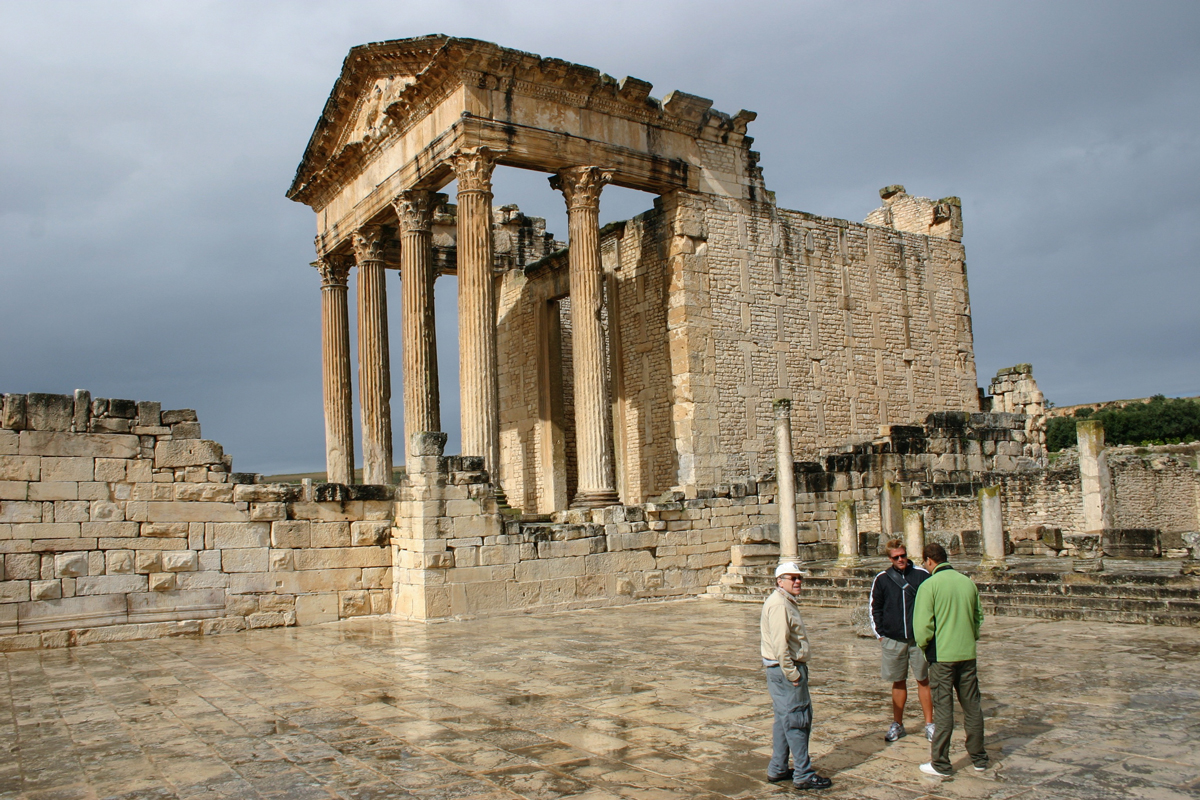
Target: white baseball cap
[[788, 568]]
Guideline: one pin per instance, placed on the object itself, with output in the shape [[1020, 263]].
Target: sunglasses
[[897, 558]]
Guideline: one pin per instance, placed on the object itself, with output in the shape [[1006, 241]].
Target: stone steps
[[1133, 596]]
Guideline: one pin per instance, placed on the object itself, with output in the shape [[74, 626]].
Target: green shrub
[[1160, 421]]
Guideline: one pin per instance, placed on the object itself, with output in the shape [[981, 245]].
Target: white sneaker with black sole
[[929, 731]]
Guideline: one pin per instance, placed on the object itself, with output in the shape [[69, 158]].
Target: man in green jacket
[[946, 619]]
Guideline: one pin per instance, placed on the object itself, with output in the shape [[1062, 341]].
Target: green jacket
[[947, 614]]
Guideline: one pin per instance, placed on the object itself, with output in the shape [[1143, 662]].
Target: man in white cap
[[785, 656]]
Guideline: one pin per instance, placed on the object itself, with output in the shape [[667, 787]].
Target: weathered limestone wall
[[721, 306], [118, 522], [456, 555], [534, 335], [860, 326], [1156, 487], [1014, 391]]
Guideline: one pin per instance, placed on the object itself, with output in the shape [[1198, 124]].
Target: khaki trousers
[[947, 678]]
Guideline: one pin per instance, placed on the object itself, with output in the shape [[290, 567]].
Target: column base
[[596, 498], [997, 564], [849, 561]]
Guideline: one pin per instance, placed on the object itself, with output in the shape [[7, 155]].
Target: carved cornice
[[334, 269], [473, 169], [414, 210], [581, 186], [368, 243]]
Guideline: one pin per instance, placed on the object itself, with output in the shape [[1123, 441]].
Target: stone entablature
[[401, 109]]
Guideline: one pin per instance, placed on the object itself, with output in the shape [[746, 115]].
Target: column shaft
[[477, 372], [374, 371], [335, 369], [914, 534], [991, 527], [581, 186], [847, 529], [785, 479], [422, 412]]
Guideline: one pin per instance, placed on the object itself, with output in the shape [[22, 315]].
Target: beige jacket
[[783, 636]]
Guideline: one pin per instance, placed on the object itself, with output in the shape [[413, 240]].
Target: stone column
[[477, 371], [1094, 478], [581, 187], [891, 511], [335, 368], [785, 479], [914, 534], [847, 530], [991, 528], [374, 371], [422, 412]]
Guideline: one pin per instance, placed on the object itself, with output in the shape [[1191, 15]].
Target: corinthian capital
[[334, 269], [368, 243], [414, 209], [473, 169], [581, 186]]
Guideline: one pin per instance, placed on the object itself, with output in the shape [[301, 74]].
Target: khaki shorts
[[898, 657]]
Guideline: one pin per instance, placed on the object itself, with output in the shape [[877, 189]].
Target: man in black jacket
[[892, 596]]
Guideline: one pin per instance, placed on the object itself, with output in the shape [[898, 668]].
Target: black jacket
[[892, 605]]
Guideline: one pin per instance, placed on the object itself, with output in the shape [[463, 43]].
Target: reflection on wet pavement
[[641, 702]]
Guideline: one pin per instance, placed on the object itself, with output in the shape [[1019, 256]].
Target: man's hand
[[796, 682]]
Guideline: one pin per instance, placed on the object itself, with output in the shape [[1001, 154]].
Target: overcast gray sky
[[147, 250]]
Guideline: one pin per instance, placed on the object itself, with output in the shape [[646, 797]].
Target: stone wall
[[721, 306], [534, 342], [459, 555], [1156, 487], [117, 521]]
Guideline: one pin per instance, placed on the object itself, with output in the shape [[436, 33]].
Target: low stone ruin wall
[[942, 466], [118, 522], [1156, 487], [459, 555]]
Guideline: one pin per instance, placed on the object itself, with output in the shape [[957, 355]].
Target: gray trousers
[[947, 678], [793, 723]]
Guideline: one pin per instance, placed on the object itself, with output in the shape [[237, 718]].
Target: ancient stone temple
[[668, 336]]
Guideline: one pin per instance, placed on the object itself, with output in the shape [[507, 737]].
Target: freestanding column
[[335, 368], [422, 412], [1094, 477], [891, 510], [847, 528], [374, 372], [785, 478], [914, 534], [991, 525], [581, 187], [477, 371]]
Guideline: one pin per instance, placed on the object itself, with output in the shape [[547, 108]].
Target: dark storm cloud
[[145, 147]]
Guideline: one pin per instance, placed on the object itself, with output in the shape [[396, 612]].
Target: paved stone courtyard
[[642, 702]]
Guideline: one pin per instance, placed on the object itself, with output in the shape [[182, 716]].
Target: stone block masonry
[[118, 522]]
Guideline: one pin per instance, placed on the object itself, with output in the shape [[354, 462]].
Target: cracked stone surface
[[640, 702]]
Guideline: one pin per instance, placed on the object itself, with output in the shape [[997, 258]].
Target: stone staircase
[[1141, 592]]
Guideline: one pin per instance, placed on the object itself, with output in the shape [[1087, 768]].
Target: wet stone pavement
[[642, 702]]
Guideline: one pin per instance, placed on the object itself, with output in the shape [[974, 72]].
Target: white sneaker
[[981, 769], [929, 769]]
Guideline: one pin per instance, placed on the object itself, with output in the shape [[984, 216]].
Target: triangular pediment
[[372, 77]]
